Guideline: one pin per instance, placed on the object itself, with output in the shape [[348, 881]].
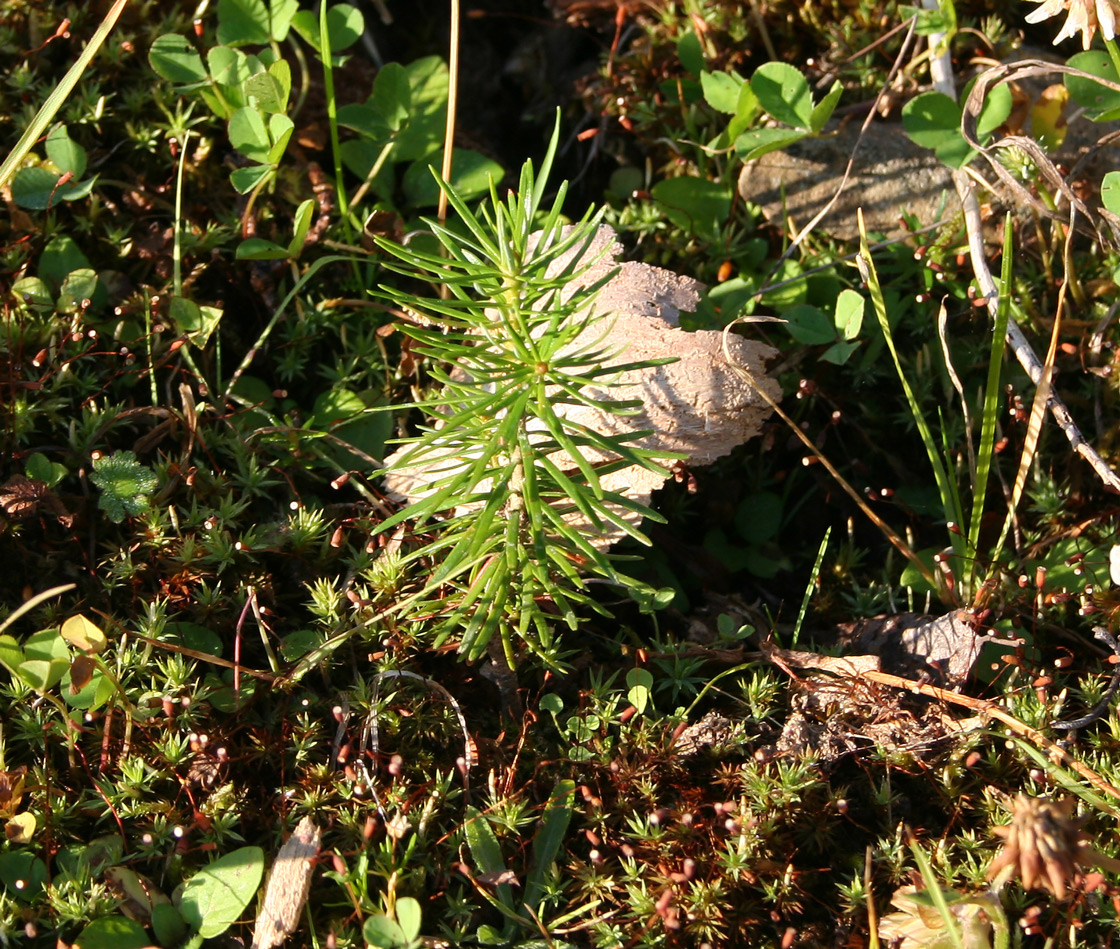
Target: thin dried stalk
[[1055, 751]]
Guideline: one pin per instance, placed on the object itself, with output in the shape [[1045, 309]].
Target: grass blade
[[547, 843], [871, 278], [49, 109]]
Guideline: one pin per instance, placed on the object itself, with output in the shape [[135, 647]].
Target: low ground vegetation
[[848, 683]]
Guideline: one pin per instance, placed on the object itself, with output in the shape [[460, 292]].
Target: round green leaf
[[267, 91], [840, 352], [35, 295], [80, 284], [408, 917], [249, 134], [788, 291], [344, 25], [61, 257], [392, 95], [38, 189], [759, 517], [41, 468], [367, 434], [1098, 101], [822, 112], [174, 59], [195, 637], [849, 314], [222, 694], [112, 932], [67, 154], [46, 644], [280, 129], [301, 224], [42, 675], [257, 248], [215, 897], [470, 176], [551, 702], [721, 90], [22, 873], [640, 684], [302, 642], [227, 66], [758, 142], [245, 180], [382, 932], [994, 112], [168, 924], [954, 151], [198, 322], [243, 23], [697, 205], [690, 53], [784, 92], [11, 655], [94, 693], [930, 117], [1110, 191], [809, 325], [282, 12], [335, 405]]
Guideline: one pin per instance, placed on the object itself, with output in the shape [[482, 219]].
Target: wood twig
[[1055, 751]]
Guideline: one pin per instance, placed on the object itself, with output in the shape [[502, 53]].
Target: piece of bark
[[289, 882]]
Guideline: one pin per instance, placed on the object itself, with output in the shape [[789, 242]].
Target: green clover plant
[[514, 503]]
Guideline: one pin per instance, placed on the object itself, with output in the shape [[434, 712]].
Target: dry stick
[[941, 73], [1042, 395], [452, 109], [1055, 751]]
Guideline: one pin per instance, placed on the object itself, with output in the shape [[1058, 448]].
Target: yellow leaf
[[21, 828], [83, 634], [1048, 121]]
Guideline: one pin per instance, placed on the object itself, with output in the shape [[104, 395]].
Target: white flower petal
[[1106, 17], [1046, 10]]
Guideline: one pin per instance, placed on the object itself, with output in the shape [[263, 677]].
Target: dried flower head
[[1083, 16], [1045, 846]]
